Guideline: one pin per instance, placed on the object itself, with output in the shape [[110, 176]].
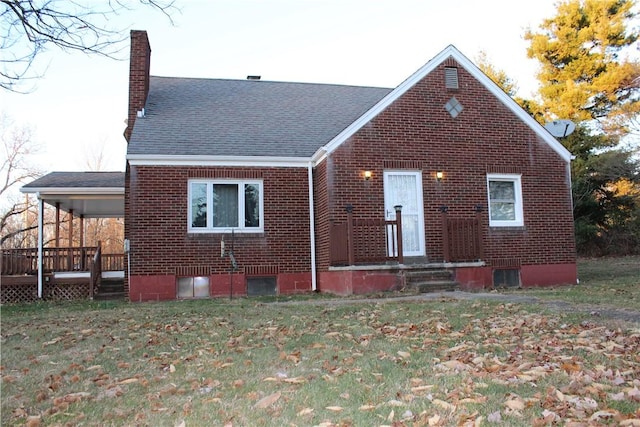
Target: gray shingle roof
[[186, 116], [78, 180]]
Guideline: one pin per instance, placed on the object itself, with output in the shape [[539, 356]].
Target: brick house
[[257, 187]]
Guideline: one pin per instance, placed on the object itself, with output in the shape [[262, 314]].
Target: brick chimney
[[139, 64]]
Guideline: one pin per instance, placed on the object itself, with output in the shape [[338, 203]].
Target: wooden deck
[[67, 273]]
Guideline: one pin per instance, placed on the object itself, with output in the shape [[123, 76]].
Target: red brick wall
[[156, 206], [139, 65], [321, 214], [416, 132], [348, 282]]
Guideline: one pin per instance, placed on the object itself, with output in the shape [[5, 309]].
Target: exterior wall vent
[[451, 77], [506, 278]]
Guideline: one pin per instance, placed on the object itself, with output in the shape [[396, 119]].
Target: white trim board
[[249, 161]]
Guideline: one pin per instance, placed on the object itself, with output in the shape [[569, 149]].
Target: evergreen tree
[[586, 71], [588, 75]]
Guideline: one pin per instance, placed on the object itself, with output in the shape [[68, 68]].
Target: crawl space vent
[[506, 278], [261, 286]]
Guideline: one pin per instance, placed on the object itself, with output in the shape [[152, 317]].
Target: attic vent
[[453, 107], [451, 77], [253, 77]]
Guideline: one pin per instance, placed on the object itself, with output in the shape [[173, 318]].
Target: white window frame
[[241, 228], [516, 179]]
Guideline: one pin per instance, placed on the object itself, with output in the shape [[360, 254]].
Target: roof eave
[[99, 191], [238, 161]]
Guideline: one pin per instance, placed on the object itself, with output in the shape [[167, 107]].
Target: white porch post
[[40, 243]]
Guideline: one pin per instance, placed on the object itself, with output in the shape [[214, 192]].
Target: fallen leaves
[[287, 380], [451, 365], [267, 401], [515, 403], [404, 354], [444, 405], [399, 364], [304, 412]]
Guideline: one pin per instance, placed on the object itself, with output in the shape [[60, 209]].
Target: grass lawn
[[308, 361], [604, 282]]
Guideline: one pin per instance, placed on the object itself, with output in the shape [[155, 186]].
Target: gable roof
[[248, 122], [449, 52], [244, 118]]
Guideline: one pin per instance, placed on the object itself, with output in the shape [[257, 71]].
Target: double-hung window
[[221, 205], [505, 200]]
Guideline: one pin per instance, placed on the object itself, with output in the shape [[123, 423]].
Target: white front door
[[405, 188]]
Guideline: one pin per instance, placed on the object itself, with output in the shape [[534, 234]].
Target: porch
[[64, 267], [372, 250]]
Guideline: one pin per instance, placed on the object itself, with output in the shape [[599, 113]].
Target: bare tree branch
[[29, 27], [17, 146], [13, 233]]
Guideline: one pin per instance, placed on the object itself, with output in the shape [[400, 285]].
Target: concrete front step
[[436, 286], [428, 274], [430, 280]]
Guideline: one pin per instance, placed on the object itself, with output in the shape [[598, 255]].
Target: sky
[[76, 111]]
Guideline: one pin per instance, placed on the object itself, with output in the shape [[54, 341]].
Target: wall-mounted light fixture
[[367, 175], [439, 175]]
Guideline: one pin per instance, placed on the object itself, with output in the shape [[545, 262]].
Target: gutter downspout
[[40, 243], [312, 229], [573, 157]]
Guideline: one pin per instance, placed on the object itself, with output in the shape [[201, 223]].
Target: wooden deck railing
[[366, 241], [374, 241], [112, 262], [462, 238], [25, 261], [19, 261]]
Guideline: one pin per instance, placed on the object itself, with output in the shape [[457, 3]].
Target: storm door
[[405, 188]]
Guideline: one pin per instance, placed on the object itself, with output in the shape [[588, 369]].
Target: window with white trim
[[505, 200], [220, 205]]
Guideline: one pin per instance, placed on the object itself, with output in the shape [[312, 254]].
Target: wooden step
[[107, 296], [110, 289]]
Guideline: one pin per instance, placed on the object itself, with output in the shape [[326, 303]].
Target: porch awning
[[88, 194]]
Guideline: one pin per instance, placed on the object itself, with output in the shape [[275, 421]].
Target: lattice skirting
[[29, 292]]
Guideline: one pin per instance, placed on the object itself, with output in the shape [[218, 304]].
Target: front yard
[[251, 362]]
